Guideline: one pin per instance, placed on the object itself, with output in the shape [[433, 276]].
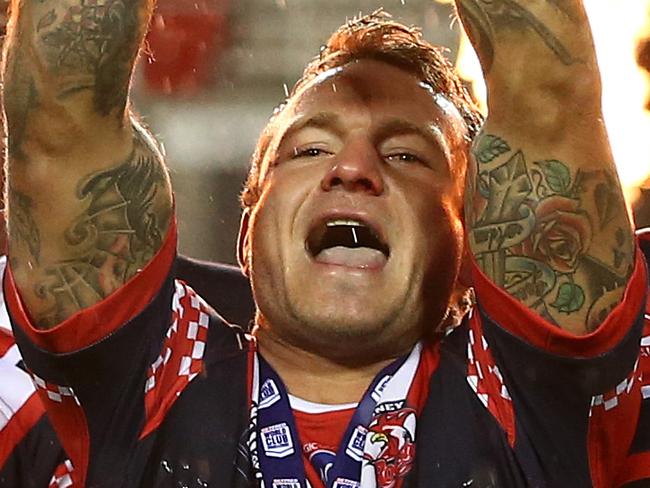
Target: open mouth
[[347, 242]]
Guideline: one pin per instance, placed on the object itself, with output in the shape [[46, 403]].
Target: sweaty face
[[356, 240]]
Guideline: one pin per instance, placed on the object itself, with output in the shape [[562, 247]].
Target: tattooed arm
[[545, 212], [89, 197]]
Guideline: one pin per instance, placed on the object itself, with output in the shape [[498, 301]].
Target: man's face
[[357, 238]]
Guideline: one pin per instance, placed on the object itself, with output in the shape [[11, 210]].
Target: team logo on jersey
[[391, 446], [286, 483], [276, 440], [345, 483], [269, 394], [357, 443]]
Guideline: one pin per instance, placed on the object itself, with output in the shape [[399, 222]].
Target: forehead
[[375, 91]]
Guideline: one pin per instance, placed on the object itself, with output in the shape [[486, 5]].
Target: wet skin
[[367, 142]]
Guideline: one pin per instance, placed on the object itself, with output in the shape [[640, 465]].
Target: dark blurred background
[[214, 70]]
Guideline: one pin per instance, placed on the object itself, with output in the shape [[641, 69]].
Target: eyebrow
[[322, 120], [397, 127]]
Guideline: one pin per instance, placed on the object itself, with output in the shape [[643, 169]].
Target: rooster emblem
[[391, 447]]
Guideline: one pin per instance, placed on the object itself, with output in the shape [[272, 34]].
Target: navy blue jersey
[[31, 455], [152, 388]]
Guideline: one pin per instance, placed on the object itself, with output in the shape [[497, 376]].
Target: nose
[[357, 169]]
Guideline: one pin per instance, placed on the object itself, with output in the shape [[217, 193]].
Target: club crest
[[357, 443], [381, 386], [276, 440], [269, 394]]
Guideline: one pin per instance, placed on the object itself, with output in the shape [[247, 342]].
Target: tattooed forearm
[[483, 19], [553, 237], [120, 230], [551, 231], [96, 200]]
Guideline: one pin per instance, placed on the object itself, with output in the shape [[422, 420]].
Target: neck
[[315, 378]]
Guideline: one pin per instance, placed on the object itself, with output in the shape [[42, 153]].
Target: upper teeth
[[349, 223]]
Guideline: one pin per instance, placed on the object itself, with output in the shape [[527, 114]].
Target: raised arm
[[546, 217], [89, 197]]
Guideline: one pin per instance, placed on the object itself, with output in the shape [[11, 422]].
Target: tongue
[[360, 257]]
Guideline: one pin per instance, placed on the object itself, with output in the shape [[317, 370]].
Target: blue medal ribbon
[[279, 446]]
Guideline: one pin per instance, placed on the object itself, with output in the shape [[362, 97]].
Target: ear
[[243, 242]]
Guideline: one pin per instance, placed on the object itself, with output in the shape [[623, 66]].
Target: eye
[[404, 157], [309, 152]]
